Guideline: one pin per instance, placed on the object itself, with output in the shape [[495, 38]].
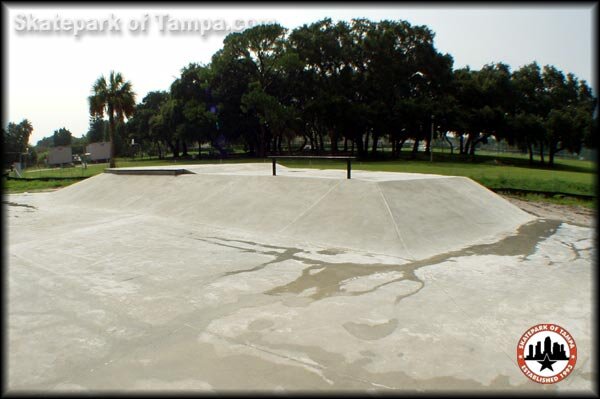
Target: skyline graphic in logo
[[546, 353]]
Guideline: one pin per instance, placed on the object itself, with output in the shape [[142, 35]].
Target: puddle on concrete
[[323, 279]]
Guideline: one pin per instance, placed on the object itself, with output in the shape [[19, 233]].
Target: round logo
[[546, 353]]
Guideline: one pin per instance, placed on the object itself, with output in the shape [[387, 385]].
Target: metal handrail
[[340, 158]]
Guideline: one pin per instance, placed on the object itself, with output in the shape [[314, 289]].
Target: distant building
[[60, 155], [99, 151]]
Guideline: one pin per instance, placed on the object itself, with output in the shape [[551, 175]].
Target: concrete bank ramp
[[413, 216]]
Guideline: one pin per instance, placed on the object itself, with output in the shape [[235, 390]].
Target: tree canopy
[[62, 137], [355, 83]]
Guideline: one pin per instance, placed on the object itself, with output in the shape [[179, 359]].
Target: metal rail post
[[349, 168]]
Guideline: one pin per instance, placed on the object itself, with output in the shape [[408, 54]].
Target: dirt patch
[[576, 215]]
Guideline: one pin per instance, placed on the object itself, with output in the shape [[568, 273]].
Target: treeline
[[351, 84]]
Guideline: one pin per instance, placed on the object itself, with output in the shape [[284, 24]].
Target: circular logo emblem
[[546, 353]]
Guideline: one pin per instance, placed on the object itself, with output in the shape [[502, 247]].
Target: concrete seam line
[[310, 207], [315, 367], [261, 349], [387, 206]]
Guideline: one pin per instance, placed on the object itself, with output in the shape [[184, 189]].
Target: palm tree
[[117, 99]]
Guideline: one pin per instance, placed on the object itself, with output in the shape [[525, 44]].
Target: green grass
[[488, 174], [492, 170], [21, 186], [75, 171], [69, 175]]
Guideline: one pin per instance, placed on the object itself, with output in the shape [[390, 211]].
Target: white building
[[98, 151], [60, 155]]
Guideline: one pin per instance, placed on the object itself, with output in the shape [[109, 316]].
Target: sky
[[50, 73]]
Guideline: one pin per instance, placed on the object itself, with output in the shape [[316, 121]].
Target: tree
[[114, 97], [97, 130], [61, 137], [484, 98], [357, 81], [251, 63], [16, 139], [140, 125], [198, 113], [420, 87], [165, 123], [32, 155], [231, 76], [528, 111], [526, 130], [570, 106], [588, 112], [271, 113], [44, 143], [321, 51]]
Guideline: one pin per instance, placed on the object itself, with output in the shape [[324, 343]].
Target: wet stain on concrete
[[329, 281], [335, 367], [522, 243], [288, 253], [260, 324], [10, 203], [371, 332], [331, 277], [331, 251]]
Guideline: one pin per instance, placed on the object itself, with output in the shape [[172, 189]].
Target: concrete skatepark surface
[[229, 278]]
